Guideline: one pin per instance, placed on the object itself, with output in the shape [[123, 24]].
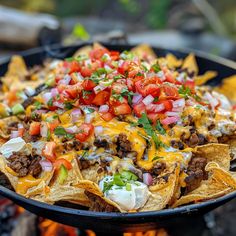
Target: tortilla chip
[[93, 174], [216, 152], [144, 51], [83, 51], [228, 88], [4, 126], [173, 61], [190, 64], [162, 192], [202, 79]]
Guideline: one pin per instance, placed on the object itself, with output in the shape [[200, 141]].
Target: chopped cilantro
[[160, 128], [85, 94], [60, 131], [117, 77], [50, 102], [156, 158], [156, 67], [156, 99], [70, 59], [144, 121], [101, 71], [88, 110], [37, 105], [139, 74], [68, 105], [184, 91]]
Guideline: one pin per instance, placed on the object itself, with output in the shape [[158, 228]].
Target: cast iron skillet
[[120, 222]]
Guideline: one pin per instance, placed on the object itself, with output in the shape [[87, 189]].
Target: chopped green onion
[[128, 187], [17, 109], [118, 181], [128, 175]]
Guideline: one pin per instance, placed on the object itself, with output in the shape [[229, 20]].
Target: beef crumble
[[196, 173], [24, 164], [101, 143]]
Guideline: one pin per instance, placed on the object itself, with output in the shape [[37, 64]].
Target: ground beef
[[98, 204], [195, 139], [177, 144], [24, 164], [124, 146], [158, 168], [101, 143], [196, 173], [72, 145], [30, 138], [84, 164], [4, 181]]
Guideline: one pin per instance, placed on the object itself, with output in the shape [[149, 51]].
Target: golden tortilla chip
[[144, 51], [4, 126], [83, 51], [202, 79], [190, 64], [162, 192], [93, 174], [216, 152], [228, 88], [173, 61]]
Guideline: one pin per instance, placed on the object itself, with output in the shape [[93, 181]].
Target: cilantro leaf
[[60, 131], [184, 91], [144, 121], [156, 67], [160, 128], [37, 105]]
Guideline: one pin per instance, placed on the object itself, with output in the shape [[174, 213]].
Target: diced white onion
[[72, 129], [89, 118], [98, 88], [148, 99], [66, 80], [179, 103], [44, 129], [98, 130], [46, 97], [213, 101], [103, 108]]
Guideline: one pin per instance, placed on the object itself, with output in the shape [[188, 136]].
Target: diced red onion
[[137, 98], [66, 80], [89, 118], [59, 104], [147, 179], [87, 62], [75, 114], [14, 134], [155, 107], [79, 77], [46, 97], [98, 130], [120, 63], [72, 129], [181, 77], [44, 129], [98, 88], [103, 108], [172, 113], [177, 109], [213, 101], [170, 120], [148, 99], [151, 75], [54, 92], [41, 111], [190, 102], [179, 103], [46, 165], [29, 91]]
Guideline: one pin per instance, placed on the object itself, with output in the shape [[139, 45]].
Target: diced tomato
[[153, 117], [123, 68], [114, 55], [168, 92], [133, 72], [53, 125], [107, 116], [140, 87], [118, 87], [85, 130], [72, 91], [34, 128], [88, 84], [153, 90], [74, 67], [234, 107], [130, 84], [98, 53], [62, 161], [61, 88], [167, 104], [122, 109], [101, 98], [86, 72], [169, 78], [11, 97], [88, 98], [139, 109], [48, 151], [190, 84]]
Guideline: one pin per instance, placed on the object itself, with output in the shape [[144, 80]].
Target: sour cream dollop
[[131, 199], [13, 145]]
